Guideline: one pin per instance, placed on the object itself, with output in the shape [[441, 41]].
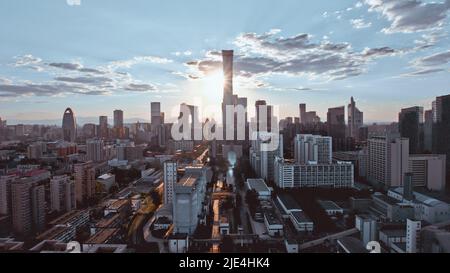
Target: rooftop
[[301, 217], [352, 245], [288, 201], [188, 180], [67, 217], [117, 204], [53, 233], [108, 220], [257, 184], [329, 205]]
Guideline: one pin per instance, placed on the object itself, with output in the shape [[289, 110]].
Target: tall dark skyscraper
[[441, 128], [410, 125], [69, 126], [103, 127], [229, 99], [336, 126], [355, 120], [118, 118], [265, 124]]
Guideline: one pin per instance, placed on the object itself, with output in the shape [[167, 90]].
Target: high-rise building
[[441, 127], [95, 150], [188, 198], [103, 127], [69, 126], [428, 170], [428, 131], [170, 179], [229, 99], [413, 235], [355, 120], [84, 181], [119, 130], [261, 159], [62, 194], [156, 117], [118, 118], [410, 125], [262, 109], [313, 148], [27, 206], [336, 126], [388, 160], [5, 194], [307, 117]]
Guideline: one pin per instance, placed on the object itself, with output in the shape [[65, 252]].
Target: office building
[[355, 120], [62, 194], [441, 127], [69, 126], [410, 125], [262, 154], [336, 126], [28, 206], [428, 171], [95, 150], [388, 160], [289, 174], [413, 235], [307, 117], [84, 181], [103, 127], [188, 198], [428, 131], [170, 179], [118, 128], [312, 148]]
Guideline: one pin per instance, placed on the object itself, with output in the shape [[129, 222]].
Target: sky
[[96, 56]]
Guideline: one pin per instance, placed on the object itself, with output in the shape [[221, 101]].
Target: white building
[[412, 235], [388, 160], [188, 198], [273, 225], [293, 175], [262, 154], [428, 171], [425, 208], [367, 226], [170, 179]]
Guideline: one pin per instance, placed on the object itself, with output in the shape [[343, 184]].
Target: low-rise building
[[258, 184], [330, 207]]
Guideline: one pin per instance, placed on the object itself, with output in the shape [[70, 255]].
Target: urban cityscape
[[255, 176]]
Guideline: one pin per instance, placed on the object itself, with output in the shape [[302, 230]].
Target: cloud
[[137, 60], [86, 80], [360, 23], [266, 54], [436, 59], [73, 2], [410, 15], [429, 64], [141, 87], [28, 61], [48, 89]]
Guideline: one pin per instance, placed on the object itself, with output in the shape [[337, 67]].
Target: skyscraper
[[156, 117], [265, 124], [62, 194], [118, 119], [103, 127], [336, 126], [229, 99], [84, 181], [388, 160], [28, 206], [313, 148], [410, 125], [69, 126], [95, 150], [441, 128], [355, 120]]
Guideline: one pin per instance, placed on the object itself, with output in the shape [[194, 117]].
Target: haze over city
[[97, 56]]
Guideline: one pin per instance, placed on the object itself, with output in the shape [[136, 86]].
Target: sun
[[212, 87]]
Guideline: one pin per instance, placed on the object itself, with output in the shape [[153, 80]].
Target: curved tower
[[69, 126]]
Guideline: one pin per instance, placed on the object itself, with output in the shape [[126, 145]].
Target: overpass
[[331, 237]]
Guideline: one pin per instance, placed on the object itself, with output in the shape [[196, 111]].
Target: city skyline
[[169, 53]]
